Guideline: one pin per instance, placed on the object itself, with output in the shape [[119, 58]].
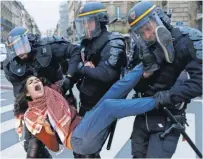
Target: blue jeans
[[91, 133]]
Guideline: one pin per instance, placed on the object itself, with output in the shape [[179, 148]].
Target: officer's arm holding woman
[[31, 55], [107, 69], [66, 50]]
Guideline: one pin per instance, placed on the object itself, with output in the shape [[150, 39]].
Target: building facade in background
[[118, 10], [73, 7], [14, 14], [188, 13], [64, 18], [48, 32], [57, 31], [10, 17]]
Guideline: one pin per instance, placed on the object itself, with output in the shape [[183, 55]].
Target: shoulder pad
[[194, 34], [183, 29], [117, 43], [116, 40], [198, 44], [60, 39], [6, 62], [195, 46], [199, 55], [17, 68], [115, 35], [51, 40], [198, 47]]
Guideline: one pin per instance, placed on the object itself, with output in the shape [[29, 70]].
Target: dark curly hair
[[21, 100]]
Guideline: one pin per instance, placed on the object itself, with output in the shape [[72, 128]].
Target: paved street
[[12, 148]]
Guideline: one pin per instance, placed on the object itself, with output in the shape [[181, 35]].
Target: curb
[[9, 87]]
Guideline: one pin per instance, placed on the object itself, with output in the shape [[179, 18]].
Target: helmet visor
[[87, 27], [146, 27], [18, 45]]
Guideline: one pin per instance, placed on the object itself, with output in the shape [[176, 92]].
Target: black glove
[[162, 99], [148, 59], [149, 63], [65, 84]]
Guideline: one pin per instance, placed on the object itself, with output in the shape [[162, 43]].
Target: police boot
[[77, 155], [96, 155], [44, 153], [36, 149], [164, 38], [82, 156], [91, 156]]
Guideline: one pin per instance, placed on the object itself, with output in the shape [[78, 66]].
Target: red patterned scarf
[[56, 107]]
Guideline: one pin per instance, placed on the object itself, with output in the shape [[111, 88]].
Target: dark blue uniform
[[44, 61], [148, 127], [107, 53]]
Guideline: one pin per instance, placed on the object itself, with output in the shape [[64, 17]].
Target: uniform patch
[[133, 15], [81, 8]]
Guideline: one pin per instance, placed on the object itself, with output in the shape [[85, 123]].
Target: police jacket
[[107, 53], [188, 57]]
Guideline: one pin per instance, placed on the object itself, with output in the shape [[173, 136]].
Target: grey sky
[[45, 12]]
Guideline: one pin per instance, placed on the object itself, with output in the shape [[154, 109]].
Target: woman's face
[[35, 88]]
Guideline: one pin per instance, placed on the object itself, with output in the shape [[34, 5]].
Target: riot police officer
[[28, 54], [165, 52], [103, 55]]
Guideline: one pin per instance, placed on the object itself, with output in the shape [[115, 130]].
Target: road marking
[[15, 151], [4, 81], [6, 108], [4, 91], [7, 125], [2, 100]]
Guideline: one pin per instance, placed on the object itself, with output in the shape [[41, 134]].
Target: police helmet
[[18, 42], [143, 20], [91, 18]]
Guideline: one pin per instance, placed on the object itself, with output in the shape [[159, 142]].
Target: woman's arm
[[42, 120], [46, 135], [49, 140]]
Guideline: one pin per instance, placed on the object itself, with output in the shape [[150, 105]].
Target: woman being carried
[[48, 115]]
